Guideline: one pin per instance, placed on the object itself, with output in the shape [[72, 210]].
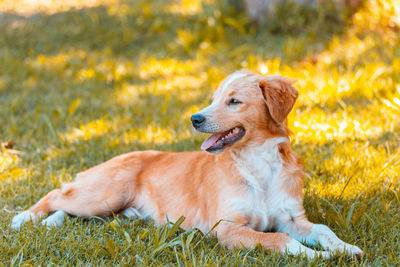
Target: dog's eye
[[234, 101]]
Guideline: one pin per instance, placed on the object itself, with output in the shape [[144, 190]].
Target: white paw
[[55, 220], [296, 248], [22, 218], [131, 213], [331, 242], [350, 250]]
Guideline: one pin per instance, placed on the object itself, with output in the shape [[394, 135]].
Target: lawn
[[83, 81]]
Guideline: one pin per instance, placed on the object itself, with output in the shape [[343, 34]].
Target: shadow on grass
[[137, 32]]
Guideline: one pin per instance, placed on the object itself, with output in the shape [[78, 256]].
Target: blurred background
[[82, 81]]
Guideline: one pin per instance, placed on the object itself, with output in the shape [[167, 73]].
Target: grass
[[83, 82]]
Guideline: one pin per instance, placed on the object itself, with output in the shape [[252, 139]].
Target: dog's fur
[[253, 185]]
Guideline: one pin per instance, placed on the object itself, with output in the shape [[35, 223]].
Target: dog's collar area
[[282, 139]]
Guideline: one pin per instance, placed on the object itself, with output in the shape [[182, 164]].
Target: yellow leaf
[[235, 24], [73, 106]]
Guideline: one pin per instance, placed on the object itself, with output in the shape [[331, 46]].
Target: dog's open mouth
[[219, 141]]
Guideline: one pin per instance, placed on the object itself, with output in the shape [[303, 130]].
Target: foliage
[[82, 81]]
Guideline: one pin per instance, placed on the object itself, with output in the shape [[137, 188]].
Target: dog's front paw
[[329, 241], [353, 250], [296, 248], [349, 249]]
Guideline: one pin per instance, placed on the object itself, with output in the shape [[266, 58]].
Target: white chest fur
[[265, 203]]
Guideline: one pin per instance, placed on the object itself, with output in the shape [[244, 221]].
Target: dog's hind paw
[[22, 218], [55, 220]]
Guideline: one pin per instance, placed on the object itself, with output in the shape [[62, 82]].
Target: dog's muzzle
[[197, 120]]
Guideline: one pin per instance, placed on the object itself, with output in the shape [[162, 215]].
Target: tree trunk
[[259, 10]]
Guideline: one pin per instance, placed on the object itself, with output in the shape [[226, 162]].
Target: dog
[[250, 180]]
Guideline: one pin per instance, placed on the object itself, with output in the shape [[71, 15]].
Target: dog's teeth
[[230, 134]]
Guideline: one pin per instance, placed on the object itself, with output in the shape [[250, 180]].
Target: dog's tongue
[[211, 141]]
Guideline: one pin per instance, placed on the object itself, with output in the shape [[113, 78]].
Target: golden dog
[[250, 178]]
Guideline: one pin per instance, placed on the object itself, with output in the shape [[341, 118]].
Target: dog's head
[[246, 108]]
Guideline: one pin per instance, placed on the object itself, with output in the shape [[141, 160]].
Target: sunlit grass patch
[[27, 7], [6, 160], [166, 67], [9, 165]]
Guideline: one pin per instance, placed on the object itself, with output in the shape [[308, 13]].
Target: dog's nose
[[197, 120]]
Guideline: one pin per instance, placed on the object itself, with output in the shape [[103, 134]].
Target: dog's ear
[[279, 95]]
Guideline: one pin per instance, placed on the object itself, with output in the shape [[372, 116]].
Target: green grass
[[80, 84]]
